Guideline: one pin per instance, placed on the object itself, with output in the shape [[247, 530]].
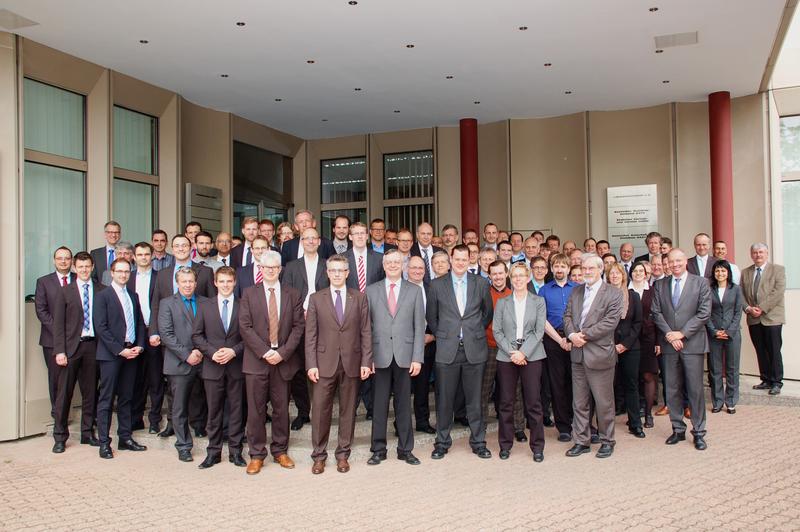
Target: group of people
[[231, 332]]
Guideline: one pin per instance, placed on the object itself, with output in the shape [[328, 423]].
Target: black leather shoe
[[105, 451], [762, 386], [775, 390], [139, 425], [299, 421], [427, 429], [153, 429], [605, 450], [408, 458], [482, 452], [237, 459], [59, 447], [648, 421], [504, 454], [210, 461], [185, 456], [167, 432], [130, 445], [716, 410], [462, 421], [595, 438], [369, 416], [700, 443], [637, 431], [619, 411], [675, 438], [200, 432], [731, 409], [577, 450], [90, 440], [538, 457], [438, 453], [564, 437], [376, 458], [520, 436], [547, 421]]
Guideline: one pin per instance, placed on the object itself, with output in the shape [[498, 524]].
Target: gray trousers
[[685, 371], [181, 386], [732, 350], [586, 384], [448, 376]]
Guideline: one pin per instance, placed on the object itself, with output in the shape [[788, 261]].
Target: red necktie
[[64, 281], [362, 275], [259, 275], [392, 300]]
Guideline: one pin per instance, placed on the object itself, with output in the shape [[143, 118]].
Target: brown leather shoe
[[255, 465], [319, 467], [284, 461], [342, 465], [687, 412], [663, 411]]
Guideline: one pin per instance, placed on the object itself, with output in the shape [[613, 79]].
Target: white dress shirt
[[589, 300], [226, 261], [519, 310], [125, 299], [343, 291], [682, 283], [396, 288], [721, 292], [90, 330], [311, 277], [701, 265], [277, 287], [229, 299], [143, 293], [61, 279]]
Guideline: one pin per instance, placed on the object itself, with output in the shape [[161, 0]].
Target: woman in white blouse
[[518, 326]]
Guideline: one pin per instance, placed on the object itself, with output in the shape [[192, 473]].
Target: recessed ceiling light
[[357, 89], [409, 46], [143, 41], [353, 2], [567, 92], [523, 28], [665, 81], [476, 102], [310, 61], [397, 110], [653, 9], [240, 24], [548, 64], [278, 99], [659, 51], [223, 75], [324, 119], [448, 77]]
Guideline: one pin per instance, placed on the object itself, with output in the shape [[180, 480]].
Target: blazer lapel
[[182, 305], [348, 308], [320, 272]]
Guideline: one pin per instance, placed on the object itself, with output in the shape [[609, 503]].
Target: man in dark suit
[[422, 382], [243, 255], [397, 314], [297, 274], [341, 232], [176, 315], [150, 364], [104, 256], [423, 248], [702, 263], [681, 307], [653, 242], [458, 311], [121, 337], [73, 349], [338, 355], [216, 336], [47, 289], [251, 275], [292, 249], [271, 325]]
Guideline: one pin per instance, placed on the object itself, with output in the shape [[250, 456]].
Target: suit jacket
[[327, 342], [374, 267], [109, 323], [48, 288], [244, 278], [205, 288], [151, 291], [254, 328], [67, 317], [690, 316], [504, 327], [208, 335], [294, 275], [726, 315], [175, 325], [400, 337], [630, 326], [691, 266], [417, 252], [770, 294], [642, 258], [100, 258], [289, 250], [386, 247], [447, 324], [598, 327], [236, 256]]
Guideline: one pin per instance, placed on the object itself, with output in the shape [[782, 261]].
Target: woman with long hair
[[724, 337], [283, 233], [649, 351]]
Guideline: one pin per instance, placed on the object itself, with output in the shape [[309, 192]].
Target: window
[[344, 180], [136, 209], [262, 184], [408, 189], [790, 194], [135, 143], [241, 211], [54, 176], [328, 217]]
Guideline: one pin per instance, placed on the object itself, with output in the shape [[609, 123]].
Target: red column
[[719, 133], [470, 219]]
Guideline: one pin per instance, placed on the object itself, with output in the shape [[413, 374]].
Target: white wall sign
[[632, 213]]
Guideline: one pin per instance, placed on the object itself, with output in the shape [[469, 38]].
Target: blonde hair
[[623, 286]]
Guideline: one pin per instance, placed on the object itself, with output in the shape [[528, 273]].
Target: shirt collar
[[189, 299], [456, 278]]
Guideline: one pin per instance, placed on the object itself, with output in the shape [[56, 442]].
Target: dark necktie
[[225, 315], [425, 259], [756, 284], [339, 307], [64, 281]]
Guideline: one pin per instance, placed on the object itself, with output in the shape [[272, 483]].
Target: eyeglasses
[[336, 271], [270, 267]]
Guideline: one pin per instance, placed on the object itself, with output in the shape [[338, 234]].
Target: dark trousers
[[52, 377], [181, 386], [299, 385], [117, 378], [262, 388], [421, 385], [487, 385], [220, 391], [392, 380], [767, 342], [559, 370], [366, 394], [547, 395], [448, 378], [80, 368], [530, 376], [730, 351], [628, 363], [149, 382], [323, 393]]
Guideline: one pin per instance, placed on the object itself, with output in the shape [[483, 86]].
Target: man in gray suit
[[459, 310], [590, 320], [398, 350], [181, 360], [681, 307]]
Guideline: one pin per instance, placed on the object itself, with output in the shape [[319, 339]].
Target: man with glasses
[[121, 335], [404, 242], [105, 255], [292, 249], [306, 276], [251, 274], [338, 351], [377, 234]]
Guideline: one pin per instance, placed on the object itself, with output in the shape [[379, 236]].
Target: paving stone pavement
[[748, 479]]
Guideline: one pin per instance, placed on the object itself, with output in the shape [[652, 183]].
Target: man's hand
[[61, 359], [273, 357], [195, 357], [620, 348], [415, 368], [658, 350], [563, 343], [677, 345], [155, 340], [518, 358], [721, 335], [313, 375], [429, 338], [577, 339], [365, 373], [223, 355], [674, 335], [128, 353], [756, 312]]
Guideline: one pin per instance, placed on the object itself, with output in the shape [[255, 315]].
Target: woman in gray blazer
[[724, 337], [518, 326]]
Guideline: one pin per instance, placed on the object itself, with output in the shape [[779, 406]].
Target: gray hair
[[123, 245], [758, 245], [593, 260], [390, 253], [440, 254], [333, 259], [271, 256], [185, 270]]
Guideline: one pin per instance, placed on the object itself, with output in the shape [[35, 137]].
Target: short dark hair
[[83, 255], [225, 270], [266, 221], [179, 235], [112, 222], [537, 232], [449, 226], [159, 232], [459, 247], [203, 233], [516, 233], [192, 223], [377, 221], [609, 255], [143, 245], [503, 242], [603, 242], [65, 248], [539, 258], [666, 240], [498, 263], [552, 238], [339, 216]]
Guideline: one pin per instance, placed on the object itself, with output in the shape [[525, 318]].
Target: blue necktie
[[225, 315], [130, 333], [676, 292], [86, 307], [339, 307], [110, 257], [246, 256]]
